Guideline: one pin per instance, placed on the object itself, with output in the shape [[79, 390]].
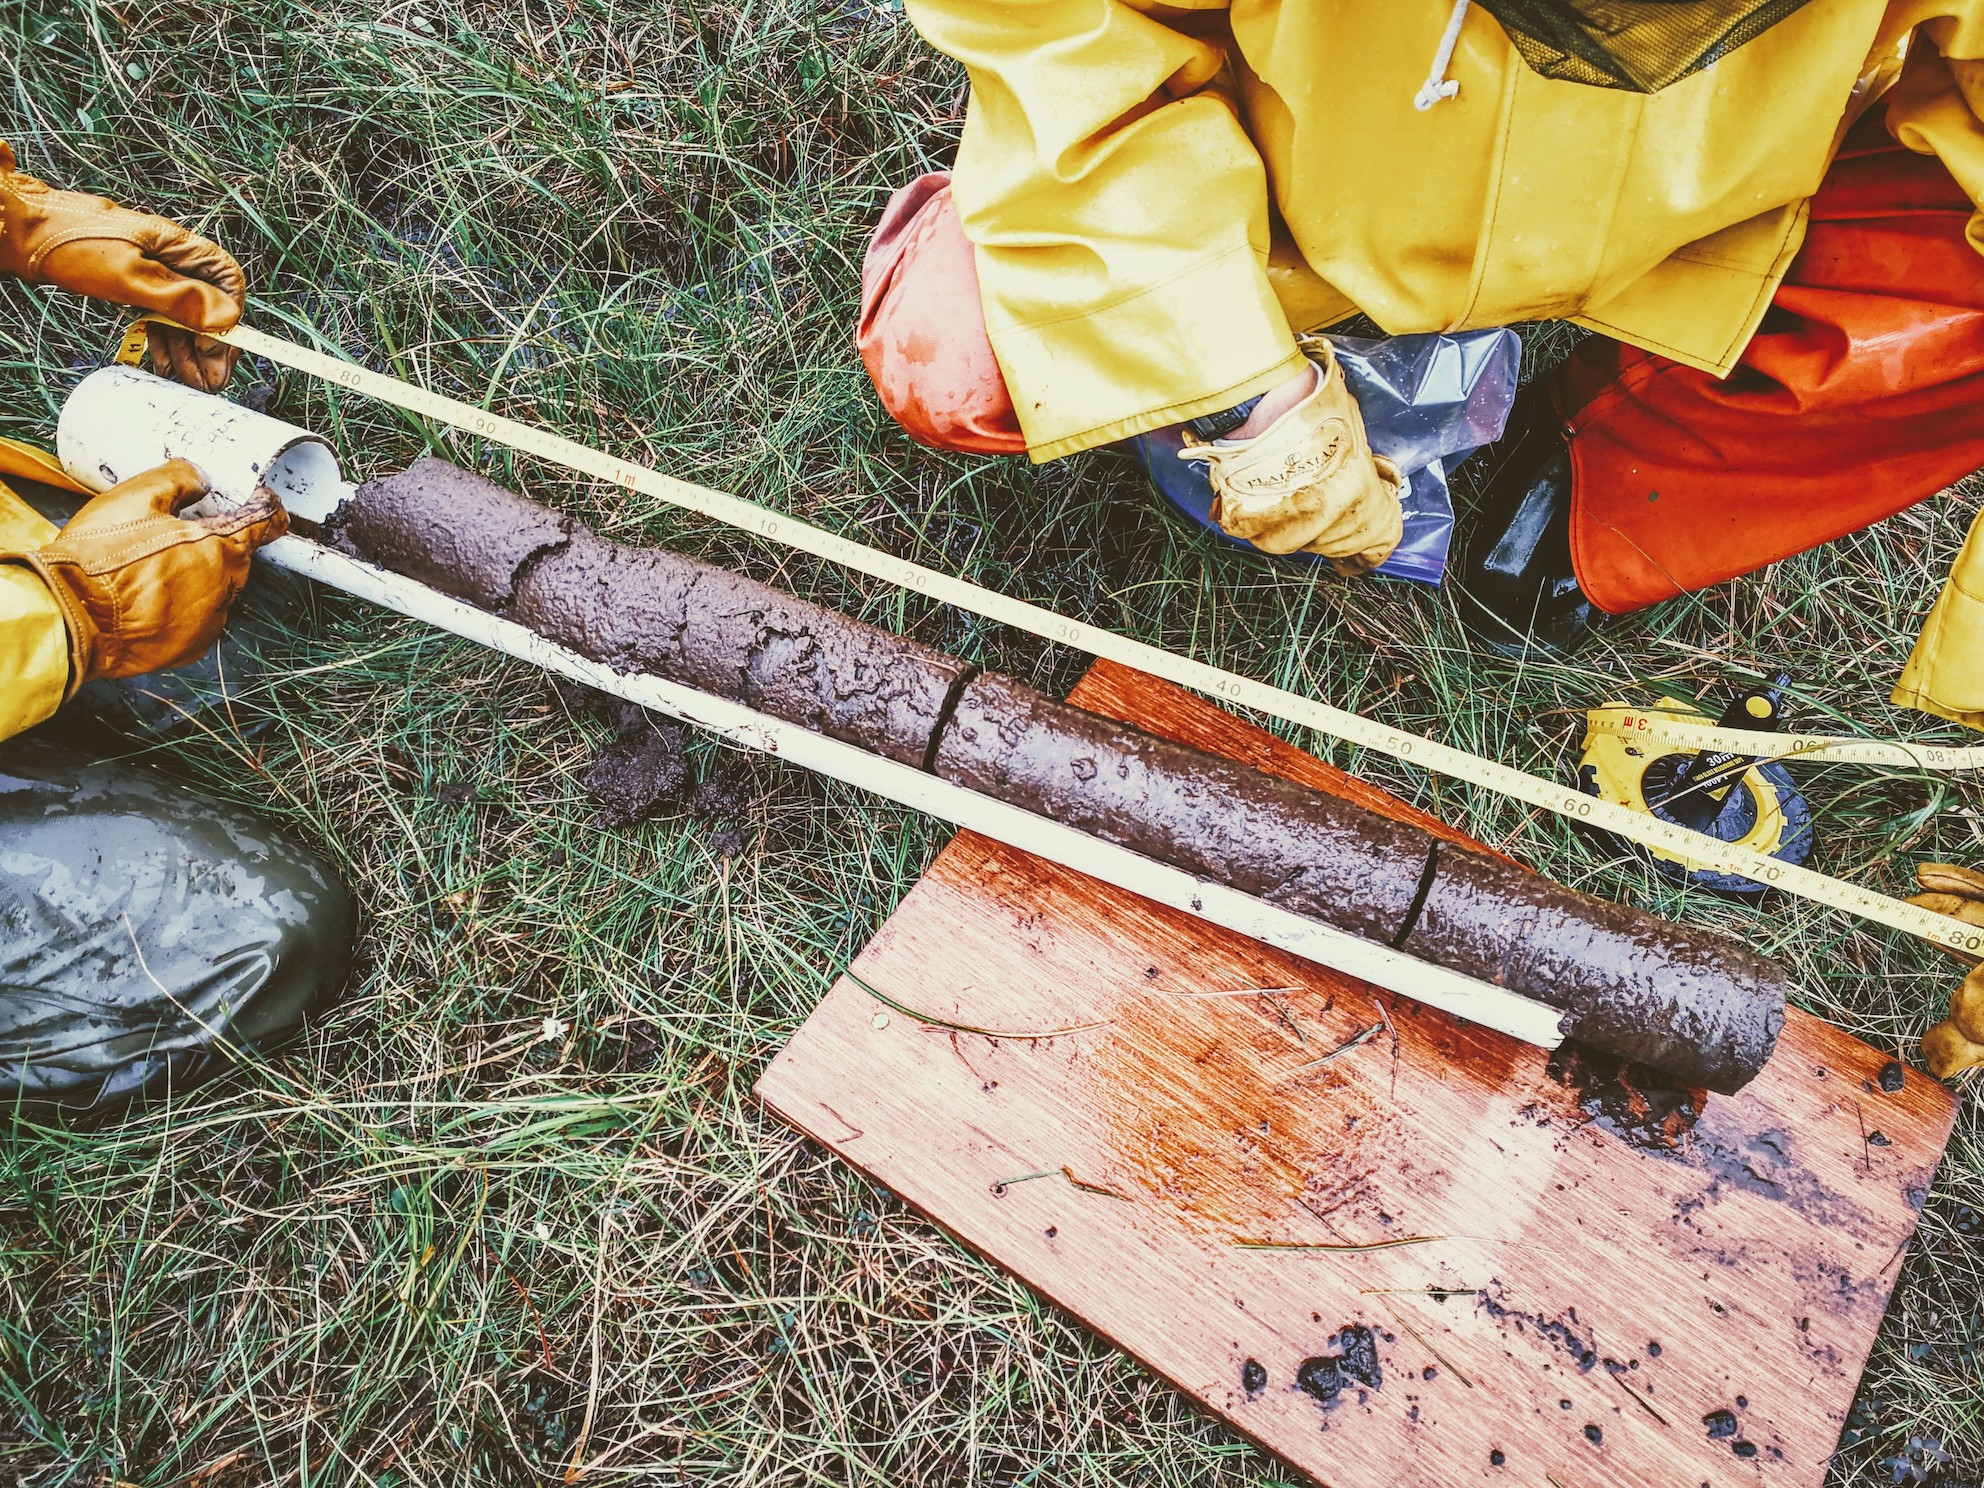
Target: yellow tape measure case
[[1630, 759]]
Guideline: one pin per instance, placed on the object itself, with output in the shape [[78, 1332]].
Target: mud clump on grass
[[638, 773], [645, 770]]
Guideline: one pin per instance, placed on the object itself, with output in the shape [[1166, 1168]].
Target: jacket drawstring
[[1438, 85]]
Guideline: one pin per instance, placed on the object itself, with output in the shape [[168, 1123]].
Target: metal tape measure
[[1223, 686], [1731, 797]]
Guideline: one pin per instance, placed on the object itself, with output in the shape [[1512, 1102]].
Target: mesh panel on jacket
[[1638, 45]]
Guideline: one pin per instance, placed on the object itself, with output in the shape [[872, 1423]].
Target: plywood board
[[1508, 1270]]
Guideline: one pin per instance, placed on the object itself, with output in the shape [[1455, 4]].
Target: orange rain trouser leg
[[1862, 393], [922, 329]]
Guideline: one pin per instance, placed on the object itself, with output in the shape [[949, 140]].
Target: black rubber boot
[[148, 935], [1515, 587]]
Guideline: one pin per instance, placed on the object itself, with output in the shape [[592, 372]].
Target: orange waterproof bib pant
[[1862, 393]]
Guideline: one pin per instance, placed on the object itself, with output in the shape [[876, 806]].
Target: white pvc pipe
[[126, 426], [120, 422], [1372, 961]]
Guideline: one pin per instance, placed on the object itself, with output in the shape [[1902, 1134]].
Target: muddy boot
[[148, 936], [1516, 587]]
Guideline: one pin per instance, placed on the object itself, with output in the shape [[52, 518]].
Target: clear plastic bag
[[1429, 401]]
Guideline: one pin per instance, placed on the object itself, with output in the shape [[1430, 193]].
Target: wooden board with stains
[[1493, 1266]]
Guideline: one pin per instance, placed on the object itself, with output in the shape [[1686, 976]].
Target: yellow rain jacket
[[1945, 675], [1157, 192], [34, 642]]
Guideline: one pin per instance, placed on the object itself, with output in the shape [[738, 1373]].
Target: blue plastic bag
[[1428, 403]]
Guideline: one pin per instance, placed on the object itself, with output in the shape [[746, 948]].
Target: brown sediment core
[[1316, 854], [650, 610], [450, 529], [1689, 1002], [1692, 1003]]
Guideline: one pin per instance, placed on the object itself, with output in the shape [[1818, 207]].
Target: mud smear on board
[[1633, 1102], [1644, 1109], [1564, 1333]]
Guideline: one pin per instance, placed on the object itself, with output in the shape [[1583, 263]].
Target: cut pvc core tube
[[121, 422]]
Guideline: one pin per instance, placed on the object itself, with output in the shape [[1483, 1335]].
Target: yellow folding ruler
[[1214, 682]]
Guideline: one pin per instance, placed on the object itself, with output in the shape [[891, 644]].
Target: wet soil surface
[[1693, 1003], [651, 610]]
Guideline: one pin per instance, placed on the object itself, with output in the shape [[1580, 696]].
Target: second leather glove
[[1956, 1043], [140, 587], [1310, 483], [91, 246]]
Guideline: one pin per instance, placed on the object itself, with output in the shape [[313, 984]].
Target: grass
[[510, 1208]]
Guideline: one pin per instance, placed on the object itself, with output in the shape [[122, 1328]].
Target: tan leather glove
[[1953, 890], [140, 587], [1310, 483], [1956, 1043], [90, 246]]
